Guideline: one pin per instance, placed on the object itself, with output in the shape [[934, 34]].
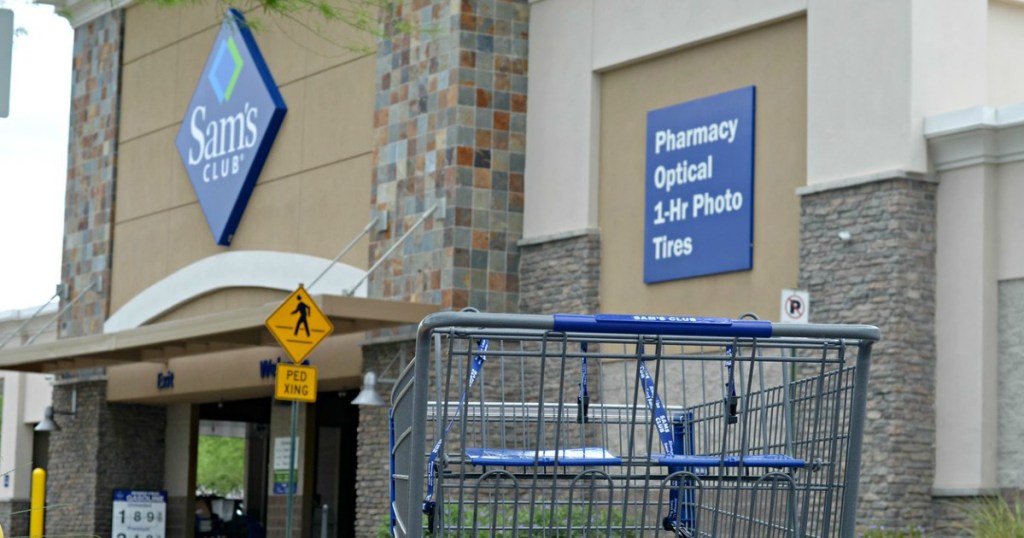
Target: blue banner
[[132, 496], [699, 184]]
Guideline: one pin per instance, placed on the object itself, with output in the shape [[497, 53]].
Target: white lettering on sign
[[677, 319], [218, 142], [684, 172], [665, 248], [705, 205], [669, 140]]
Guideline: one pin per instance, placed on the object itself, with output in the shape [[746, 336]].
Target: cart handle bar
[[650, 324]]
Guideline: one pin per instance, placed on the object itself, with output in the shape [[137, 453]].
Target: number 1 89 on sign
[[139, 514]]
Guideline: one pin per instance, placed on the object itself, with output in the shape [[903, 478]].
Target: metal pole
[[848, 519], [27, 321], [291, 472], [61, 312], [398, 243], [323, 521], [369, 226]]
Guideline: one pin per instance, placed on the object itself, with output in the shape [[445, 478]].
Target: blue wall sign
[[268, 367], [164, 380], [699, 184], [231, 122]]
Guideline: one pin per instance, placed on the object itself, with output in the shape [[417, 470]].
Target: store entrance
[[335, 476], [231, 469]]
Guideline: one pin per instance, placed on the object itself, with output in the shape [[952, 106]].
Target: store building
[[518, 145], [24, 400], [883, 172]]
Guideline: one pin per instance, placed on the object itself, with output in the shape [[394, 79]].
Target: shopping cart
[[613, 425]]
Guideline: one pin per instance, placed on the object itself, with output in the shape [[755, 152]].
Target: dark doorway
[[335, 482], [241, 428]]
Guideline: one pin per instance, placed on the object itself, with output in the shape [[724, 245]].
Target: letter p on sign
[[796, 306]]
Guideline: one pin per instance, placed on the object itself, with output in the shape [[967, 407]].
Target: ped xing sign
[[295, 383], [699, 187], [229, 127]]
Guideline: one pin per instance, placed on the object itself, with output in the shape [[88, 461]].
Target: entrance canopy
[[202, 334]]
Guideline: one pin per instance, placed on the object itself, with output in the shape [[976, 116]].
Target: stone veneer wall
[[14, 517], [373, 447], [561, 275], [450, 124], [450, 133], [101, 448], [884, 276], [1011, 384], [89, 199]]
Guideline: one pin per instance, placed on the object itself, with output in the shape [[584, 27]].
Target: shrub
[[996, 518]]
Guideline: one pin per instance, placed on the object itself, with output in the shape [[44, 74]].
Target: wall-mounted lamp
[[368, 396], [844, 235], [47, 424]]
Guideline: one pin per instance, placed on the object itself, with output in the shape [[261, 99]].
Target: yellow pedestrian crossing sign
[[295, 383], [299, 325]]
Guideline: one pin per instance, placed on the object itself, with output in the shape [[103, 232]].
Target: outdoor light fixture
[[368, 396], [48, 424], [844, 236]]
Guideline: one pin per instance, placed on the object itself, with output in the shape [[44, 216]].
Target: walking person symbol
[[302, 309]]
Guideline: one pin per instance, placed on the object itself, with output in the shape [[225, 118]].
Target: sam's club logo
[[231, 123], [227, 65]]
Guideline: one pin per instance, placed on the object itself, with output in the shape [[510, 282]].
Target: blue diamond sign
[[231, 123]]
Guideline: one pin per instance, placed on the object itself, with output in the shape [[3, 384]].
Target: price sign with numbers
[[139, 514]]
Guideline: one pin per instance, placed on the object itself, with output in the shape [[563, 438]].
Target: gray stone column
[[1011, 385], [15, 517], [92, 152], [102, 447], [883, 275], [373, 498], [561, 275], [450, 124]]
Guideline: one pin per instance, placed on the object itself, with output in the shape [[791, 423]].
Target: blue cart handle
[[672, 325]]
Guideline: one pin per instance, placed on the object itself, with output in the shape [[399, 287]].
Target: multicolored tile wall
[[450, 127], [89, 200]]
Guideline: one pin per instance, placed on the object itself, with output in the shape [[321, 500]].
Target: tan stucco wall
[[772, 58], [222, 301], [313, 194], [233, 374]]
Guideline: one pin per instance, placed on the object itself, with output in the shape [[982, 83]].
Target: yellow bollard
[[35, 521]]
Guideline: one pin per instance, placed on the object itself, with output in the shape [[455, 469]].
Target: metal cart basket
[[622, 425]]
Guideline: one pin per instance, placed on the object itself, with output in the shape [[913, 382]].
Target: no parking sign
[[796, 306]]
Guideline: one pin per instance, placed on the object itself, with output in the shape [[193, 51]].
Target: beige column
[[181, 438]]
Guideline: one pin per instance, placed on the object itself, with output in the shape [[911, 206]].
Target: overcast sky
[[33, 156]]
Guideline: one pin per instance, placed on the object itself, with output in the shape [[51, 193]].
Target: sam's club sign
[[231, 122], [699, 202]]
